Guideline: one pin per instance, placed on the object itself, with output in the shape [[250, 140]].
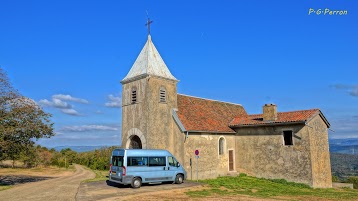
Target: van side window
[[117, 161], [157, 161], [137, 161], [172, 161]]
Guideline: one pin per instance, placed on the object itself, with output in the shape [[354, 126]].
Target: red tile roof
[[203, 115], [282, 117]]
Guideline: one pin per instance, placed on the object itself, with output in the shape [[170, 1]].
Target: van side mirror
[[178, 164]]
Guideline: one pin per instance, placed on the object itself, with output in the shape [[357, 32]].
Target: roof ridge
[[210, 99], [315, 109]]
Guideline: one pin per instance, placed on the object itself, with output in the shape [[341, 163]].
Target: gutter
[[268, 124], [218, 132]]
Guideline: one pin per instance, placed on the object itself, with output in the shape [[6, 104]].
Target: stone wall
[[163, 133], [321, 165], [160, 132], [151, 119], [210, 163], [261, 152], [134, 116]]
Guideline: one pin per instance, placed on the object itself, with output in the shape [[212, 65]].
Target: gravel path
[[57, 189], [105, 191]]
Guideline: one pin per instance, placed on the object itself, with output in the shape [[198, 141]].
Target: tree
[[21, 121]]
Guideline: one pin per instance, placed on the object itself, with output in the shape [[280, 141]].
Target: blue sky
[[69, 56]]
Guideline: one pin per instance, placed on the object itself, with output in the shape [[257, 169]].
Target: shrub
[[353, 180]]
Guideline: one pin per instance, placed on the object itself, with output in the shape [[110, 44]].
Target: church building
[[275, 145]]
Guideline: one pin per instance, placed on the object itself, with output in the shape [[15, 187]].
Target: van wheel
[[179, 179], [136, 182]]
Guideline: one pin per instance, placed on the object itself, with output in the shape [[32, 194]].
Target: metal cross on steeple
[[148, 25]]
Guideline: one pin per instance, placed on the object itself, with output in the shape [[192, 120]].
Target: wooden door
[[231, 160]]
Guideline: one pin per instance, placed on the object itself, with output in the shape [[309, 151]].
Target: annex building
[[277, 145]]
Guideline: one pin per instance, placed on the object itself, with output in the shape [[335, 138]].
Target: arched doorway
[[135, 142], [135, 139]]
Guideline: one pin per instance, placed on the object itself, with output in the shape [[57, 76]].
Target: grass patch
[[101, 175], [4, 187], [37, 171], [252, 186]]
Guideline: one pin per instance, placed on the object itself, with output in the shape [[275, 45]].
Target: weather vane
[[148, 23]]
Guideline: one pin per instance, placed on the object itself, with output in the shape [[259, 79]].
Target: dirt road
[[105, 190], [58, 189]]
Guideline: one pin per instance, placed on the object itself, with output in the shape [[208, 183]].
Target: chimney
[[269, 112]]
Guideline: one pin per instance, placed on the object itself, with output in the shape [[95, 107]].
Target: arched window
[[162, 95], [134, 95], [221, 146]]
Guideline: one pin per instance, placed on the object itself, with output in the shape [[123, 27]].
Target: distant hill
[[344, 142], [344, 146], [344, 165], [79, 148]]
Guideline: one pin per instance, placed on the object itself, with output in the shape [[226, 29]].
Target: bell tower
[[149, 94]]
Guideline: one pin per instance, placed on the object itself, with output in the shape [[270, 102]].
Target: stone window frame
[[223, 151], [134, 95], [283, 138], [163, 95]]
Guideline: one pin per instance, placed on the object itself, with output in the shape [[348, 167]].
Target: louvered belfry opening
[[134, 95], [162, 95]]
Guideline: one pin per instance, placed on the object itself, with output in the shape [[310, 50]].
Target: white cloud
[[85, 128], [69, 98], [354, 91], [59, 102], [46, 102], [350, 89], [114, 101], [70, 112], [56, 103], [344, 127]]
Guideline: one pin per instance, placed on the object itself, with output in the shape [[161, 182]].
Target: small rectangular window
[[287, 136], [137, 161], [157, 161], [172, 161]]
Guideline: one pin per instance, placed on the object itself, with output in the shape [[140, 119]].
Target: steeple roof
[[149, 62]]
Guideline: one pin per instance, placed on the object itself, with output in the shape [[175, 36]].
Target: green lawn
[[101, 175], [265, 188]]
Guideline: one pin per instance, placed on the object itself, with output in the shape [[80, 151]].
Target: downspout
[[186, 136]]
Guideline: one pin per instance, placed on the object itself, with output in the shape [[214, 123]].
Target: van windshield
[[117, 161]]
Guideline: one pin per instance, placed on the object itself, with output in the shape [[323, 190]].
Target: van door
[[116, 169], [157, 169], [172, 168]]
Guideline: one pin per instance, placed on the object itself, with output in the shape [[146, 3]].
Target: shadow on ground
[[116, 185], [20, 179]]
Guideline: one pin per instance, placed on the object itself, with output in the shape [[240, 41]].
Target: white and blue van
[[137, 166]]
